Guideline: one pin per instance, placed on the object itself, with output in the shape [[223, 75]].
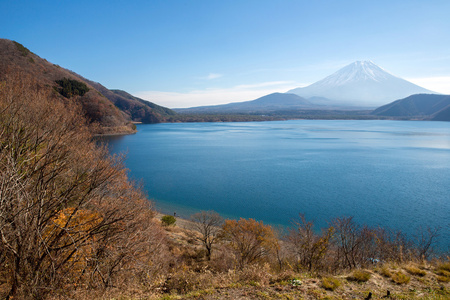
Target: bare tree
[[309, 247], [425, 240], [390, 245], [67, 209], [354, 243], [209, 224]]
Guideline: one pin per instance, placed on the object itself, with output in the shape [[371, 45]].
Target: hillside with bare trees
[[68, 213], [109, 111]]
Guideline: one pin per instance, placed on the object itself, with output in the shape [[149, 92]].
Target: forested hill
[[421, 106], [137, 109], [112, 111]]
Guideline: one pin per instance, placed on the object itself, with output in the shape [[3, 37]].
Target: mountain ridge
[[270, 102], [423, 106]]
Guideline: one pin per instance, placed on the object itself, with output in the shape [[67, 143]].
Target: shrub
[[384, 270], [330, 283], [251, 241], [444, 266], [415, 271], [443, 273], [284, 276], [444, 279], [400, 278], [255, 275], [168, 220], [69, 87], [359, 276]]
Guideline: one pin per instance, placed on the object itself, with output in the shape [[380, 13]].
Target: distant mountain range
[[353, 91], [271, 102], [361, 84], [113, 110]]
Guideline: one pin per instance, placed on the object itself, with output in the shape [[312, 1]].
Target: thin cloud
[[212, 76], [216, 96], [439, 84], [263, 84]]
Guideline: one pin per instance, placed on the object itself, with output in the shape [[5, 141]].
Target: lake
[[390, 173]]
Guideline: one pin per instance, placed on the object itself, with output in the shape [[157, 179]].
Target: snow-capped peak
[[354, 72], [360, 83]]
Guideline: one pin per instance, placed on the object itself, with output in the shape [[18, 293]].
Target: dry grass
[[359, 276], [330, 283], [443, 272], [385, 271], [413, 270], [444, 279], [400, 278], [445, 266]]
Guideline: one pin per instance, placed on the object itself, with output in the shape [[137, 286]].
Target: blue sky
[[189, 53]]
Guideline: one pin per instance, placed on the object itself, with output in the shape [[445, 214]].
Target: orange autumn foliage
[[251, 241]]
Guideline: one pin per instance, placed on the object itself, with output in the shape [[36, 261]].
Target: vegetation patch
[[443, 273], [400, 278], [330, 283], [22, 49], [69, 88], [359, 276], [444, 266], [413, 270], [168, 220], [444, 279], [385, 271]]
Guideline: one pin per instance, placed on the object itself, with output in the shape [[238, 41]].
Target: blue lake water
[[390, 173]]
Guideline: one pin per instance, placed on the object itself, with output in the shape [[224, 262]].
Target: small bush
[[400, 278], [415, 271], [359, 276], [444, 279], [443, 273], [69, 87], [255, 274], [330, 283], [444, 266], [168, 220], [284, 276], [384, 270], [184, 282]]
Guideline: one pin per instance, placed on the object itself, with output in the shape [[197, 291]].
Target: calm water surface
[[390, 173]]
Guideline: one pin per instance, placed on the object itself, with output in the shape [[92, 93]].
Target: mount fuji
[[361, 84]]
